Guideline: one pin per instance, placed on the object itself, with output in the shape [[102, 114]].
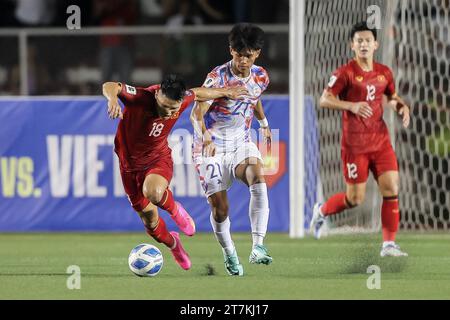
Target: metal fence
[[58, 61]]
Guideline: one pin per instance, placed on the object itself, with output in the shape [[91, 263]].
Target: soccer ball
[[145, 260]]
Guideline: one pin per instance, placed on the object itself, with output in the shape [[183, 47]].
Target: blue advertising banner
[[58, 171]]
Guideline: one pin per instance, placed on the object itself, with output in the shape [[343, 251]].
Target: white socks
[[388, 243], [259, 212], [222, 233], [259, 218]]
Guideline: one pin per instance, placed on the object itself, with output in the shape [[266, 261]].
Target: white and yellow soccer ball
[[145, 260]]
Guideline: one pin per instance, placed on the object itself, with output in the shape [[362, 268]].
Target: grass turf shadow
[[367, 253]]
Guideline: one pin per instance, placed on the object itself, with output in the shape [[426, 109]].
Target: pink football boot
[[179, 254], [184, 220]]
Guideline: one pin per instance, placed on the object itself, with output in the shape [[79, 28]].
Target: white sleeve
[[212, 81]]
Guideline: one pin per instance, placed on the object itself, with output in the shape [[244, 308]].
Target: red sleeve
[[338, 82], [130, 95], [188, 99], [390, 88]]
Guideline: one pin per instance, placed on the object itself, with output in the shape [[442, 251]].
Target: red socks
[[389, 212], [161, 234], [167, 203], [335, 204], [390, 217]]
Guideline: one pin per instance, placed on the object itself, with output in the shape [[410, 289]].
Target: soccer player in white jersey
[[223, 150]]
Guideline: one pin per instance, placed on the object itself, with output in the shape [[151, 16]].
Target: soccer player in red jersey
[[357, 89], [144, 155]]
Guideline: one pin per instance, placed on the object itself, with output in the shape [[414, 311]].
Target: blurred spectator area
[[154, 37]]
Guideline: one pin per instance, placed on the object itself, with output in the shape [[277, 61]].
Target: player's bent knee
[[355, 200], [391, 190], [254, 175], [155, 195], [256, 179]]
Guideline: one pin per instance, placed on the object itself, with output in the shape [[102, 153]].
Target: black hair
[[246, 36], [173, 87], [362, 26]]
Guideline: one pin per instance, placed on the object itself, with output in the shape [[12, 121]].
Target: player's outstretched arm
[[205, 94], [111, 91], [198, 122], [328, 100], [397, 103]]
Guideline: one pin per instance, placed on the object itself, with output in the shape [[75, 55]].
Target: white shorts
[[218, 173]]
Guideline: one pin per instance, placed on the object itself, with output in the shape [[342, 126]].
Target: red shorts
[[356, 166], [133, 182]]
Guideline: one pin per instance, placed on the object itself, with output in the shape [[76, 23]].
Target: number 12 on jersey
[[371, 93], [352, 170]]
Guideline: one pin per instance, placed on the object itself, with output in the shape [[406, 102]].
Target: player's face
[[166, 106], [364, 44], [244, 60]]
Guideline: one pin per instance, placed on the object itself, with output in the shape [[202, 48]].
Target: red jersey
[[141, 136], [351, 83]]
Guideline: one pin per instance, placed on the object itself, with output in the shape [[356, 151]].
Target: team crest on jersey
[[175, 115], [381, 78], [359, 78], [257, 91]]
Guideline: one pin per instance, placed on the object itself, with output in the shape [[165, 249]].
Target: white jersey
[[229, 121]]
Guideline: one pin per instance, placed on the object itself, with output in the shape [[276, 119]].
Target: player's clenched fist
[[114, 109], [361, 109], [404, 112]]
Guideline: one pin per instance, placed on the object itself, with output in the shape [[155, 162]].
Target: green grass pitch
[[33, 266]]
